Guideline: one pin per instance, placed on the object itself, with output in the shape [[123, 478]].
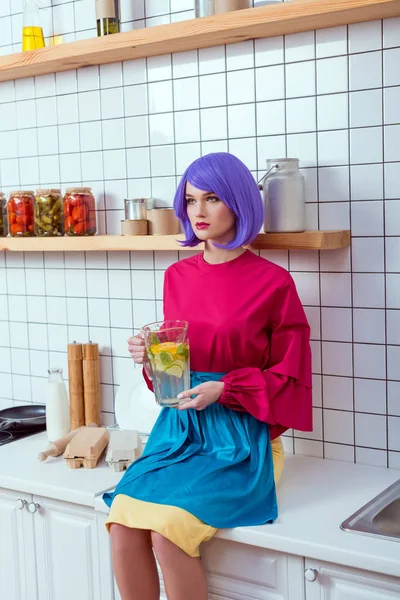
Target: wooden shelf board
[[237, 26], [308, 240]]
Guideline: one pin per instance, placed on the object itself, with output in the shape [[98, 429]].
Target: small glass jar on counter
[[79, 212], [3, 216], [49, 214], [20, 213]]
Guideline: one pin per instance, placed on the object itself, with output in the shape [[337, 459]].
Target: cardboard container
[[162, 221], [86, 447], [134, 227], [124, 448]]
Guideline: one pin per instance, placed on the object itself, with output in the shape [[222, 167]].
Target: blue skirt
[[215, 463]]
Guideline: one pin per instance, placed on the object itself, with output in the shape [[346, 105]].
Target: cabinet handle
[[33, 507], [311, 574], [21, 503]]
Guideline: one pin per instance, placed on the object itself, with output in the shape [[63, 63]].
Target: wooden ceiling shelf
[[238, 26], [308, 240]]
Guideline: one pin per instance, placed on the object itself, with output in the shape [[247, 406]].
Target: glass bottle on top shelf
[[20, 213], [3, 216], [32, 32], [108, 16], [49, 214], [79, 212]]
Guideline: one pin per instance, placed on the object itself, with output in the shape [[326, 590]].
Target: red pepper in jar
[[20, 213], [79, 212]]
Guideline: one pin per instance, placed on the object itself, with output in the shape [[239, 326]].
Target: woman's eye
[[190, 200], [212, 199]]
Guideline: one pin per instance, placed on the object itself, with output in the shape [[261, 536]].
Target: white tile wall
[[329, 97]]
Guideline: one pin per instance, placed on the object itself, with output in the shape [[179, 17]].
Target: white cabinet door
[[17, 552], [240, 572], [68, 562], [341, 583]]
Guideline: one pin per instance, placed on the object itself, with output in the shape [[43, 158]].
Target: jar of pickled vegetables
[[49, 214], [79, 212], [20, 213], [3, 216]]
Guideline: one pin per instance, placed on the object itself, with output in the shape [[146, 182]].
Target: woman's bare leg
[[134, 563], [184, 576]]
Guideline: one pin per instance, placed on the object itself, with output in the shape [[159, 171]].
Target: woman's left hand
[[206, 393]]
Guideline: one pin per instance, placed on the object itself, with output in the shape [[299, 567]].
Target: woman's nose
[[200, 210]]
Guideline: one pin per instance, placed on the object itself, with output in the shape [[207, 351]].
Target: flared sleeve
[[280, 394]]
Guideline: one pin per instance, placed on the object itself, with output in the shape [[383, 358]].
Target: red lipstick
[[202, 225]]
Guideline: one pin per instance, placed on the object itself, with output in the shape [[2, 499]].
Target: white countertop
[[20, 470], [314, 497]]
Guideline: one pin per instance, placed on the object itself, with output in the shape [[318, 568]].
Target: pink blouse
[[246, 320]]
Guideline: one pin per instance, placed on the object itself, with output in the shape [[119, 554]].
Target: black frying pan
[[23, 419]]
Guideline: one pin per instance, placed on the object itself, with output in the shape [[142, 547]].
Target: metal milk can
[[284, 196]]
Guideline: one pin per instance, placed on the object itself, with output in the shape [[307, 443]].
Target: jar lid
[[46, 192], [22, 193], [79, 190]]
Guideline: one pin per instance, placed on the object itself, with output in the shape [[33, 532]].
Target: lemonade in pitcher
[[167, 348]]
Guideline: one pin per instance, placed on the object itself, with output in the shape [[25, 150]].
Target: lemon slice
[[175, 371]]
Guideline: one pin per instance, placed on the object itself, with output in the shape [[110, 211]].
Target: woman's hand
[[206, 393], [137, 348]]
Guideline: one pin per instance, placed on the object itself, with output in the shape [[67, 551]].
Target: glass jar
[[3, 216], [20, 213], [79, 212], [49, 215]]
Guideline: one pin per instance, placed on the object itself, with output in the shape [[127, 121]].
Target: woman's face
[[210, 218]]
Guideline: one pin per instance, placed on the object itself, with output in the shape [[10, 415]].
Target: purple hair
[[231, 181]]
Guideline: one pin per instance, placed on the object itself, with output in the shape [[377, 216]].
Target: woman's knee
[[125, 539]]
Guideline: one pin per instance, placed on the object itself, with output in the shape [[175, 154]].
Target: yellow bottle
[[32, 32]]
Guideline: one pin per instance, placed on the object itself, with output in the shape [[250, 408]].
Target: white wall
[[330, 97]]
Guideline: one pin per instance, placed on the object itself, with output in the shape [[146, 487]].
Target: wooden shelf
[[237, 26], [309, 240]]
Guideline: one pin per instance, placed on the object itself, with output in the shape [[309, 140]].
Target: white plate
[[135, 405]]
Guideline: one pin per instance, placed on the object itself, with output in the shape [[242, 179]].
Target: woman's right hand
[[137, 348]]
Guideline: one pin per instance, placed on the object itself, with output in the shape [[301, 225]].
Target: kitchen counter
[[315, 496], [21, 471]]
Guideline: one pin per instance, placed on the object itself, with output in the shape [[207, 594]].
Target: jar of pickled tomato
[[3, 216], [79, 212], [20, 213]]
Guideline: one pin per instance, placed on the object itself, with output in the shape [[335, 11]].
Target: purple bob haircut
[[231, 181]]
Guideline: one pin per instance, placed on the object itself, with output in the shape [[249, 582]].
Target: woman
[[210, 463]]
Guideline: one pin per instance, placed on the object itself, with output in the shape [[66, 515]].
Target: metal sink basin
[[380, 517]]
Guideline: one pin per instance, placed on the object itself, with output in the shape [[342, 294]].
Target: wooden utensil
[[75, 382], [91, 383]]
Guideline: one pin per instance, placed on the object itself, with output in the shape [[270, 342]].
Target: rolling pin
[[75, 381], [91, 383], [58, 447]]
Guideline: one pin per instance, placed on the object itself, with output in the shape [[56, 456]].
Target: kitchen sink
[[380, 517]]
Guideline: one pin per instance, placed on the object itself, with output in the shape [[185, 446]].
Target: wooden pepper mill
[[75, 383], [91, 383]]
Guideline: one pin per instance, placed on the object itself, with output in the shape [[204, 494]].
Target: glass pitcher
[[167, 347]]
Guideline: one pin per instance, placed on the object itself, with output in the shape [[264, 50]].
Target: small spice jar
[[20, 213], [3, 216], [49, 215], [79, 212]]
